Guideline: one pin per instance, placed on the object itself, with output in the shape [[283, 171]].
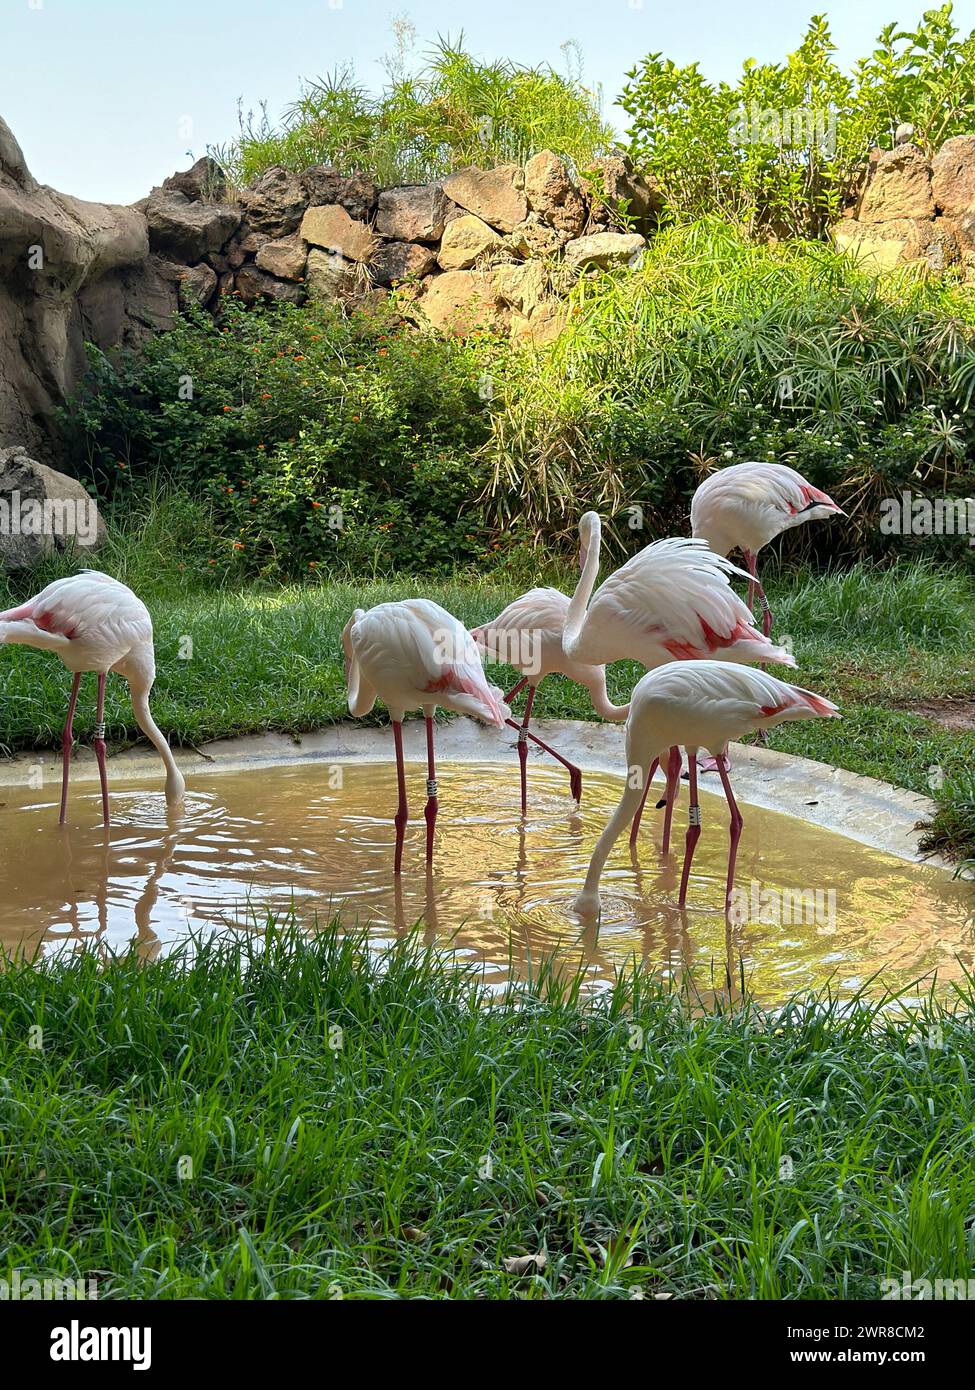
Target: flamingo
[[672, 601], [94, 623], [747, 505], [700, 704], [528, 635], [415, 655]]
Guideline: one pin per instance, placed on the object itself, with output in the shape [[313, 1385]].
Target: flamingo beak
[[583, 552]]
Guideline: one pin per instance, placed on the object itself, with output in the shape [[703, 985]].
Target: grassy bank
[[346, 1123], [884, 644]]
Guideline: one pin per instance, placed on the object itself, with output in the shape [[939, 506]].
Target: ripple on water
[[813, 905]]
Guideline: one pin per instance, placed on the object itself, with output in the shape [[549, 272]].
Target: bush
[[717, 351], [318, 440], [734, 149], [453, 111]]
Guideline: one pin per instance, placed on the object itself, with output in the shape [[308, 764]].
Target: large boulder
[[953, 185], [496, 196], [357, 193], [415, 212], [461, 302], [42, 511], [899, 187], [393, 261], [552, 194], [333, 229], [204, 182], [604, 250], [523, 286], [620, 193], [197, 286], [185, 230], [327, 275], [70, 271], [285, 258], [879, 246], [253, 284], [274, 203], [533, 237], [464, 239]]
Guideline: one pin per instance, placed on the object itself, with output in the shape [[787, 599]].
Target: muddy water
[[812, 905]]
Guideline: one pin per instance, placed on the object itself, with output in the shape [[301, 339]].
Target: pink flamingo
[[747, 505], [700, 704], [672, 601], [528, 636], [94, 623], [415, 655]]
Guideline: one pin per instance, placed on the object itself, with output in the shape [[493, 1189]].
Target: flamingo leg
[[635, 827], [100, 746], [693, 825], [433, 805], [736, 824], [67, 739], [515, 690], [575, 776], [755, 587], [523, 748], [673, 788], [402, 810]]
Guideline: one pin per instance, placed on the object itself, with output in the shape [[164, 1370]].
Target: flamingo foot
[[714, 764]]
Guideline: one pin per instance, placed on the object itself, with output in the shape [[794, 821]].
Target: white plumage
[[671, 601], [749, 504], [94, 623], [415, 655], [700, 704]]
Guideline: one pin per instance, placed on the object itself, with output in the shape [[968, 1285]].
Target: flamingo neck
[[601, 702], [175, 782], [575, 618]]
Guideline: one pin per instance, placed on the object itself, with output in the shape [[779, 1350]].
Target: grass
[[292, 1117], [875, 641]]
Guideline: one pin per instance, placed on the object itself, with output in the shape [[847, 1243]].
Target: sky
[[107, 97]]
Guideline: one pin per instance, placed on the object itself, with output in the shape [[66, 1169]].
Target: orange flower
[[316, 504], [260, 446], [238, 545], [265, 395], [356, 418], [313, 564], [226, 409]]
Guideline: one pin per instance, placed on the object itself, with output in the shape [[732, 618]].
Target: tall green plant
[[782, 148]]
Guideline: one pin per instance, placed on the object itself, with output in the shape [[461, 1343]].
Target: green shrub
[[712, 149], [718, 351], [316, 439], [453, 111]]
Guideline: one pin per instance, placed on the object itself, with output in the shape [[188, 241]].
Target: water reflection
[[815, 905]]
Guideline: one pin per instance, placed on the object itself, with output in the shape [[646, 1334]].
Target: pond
[[811, 905]]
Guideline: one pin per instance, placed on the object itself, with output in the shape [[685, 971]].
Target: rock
[[198, 284], [623, 193], [552, 194], [604, 250], [899, 187], [944, 250], [285, 258], [540, 327], [357, 193], [461, 302], [327, 276], [879, 246], [186, 231], [397, 260], [275, 203], [953, 185], [253, 284], [522, 286], [68, 269], [533, 238], [464, 239], [42, 511], [205, 182], [496, 196], [415, 212], [333, 229]]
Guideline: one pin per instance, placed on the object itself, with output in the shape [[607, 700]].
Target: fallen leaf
[[525, 1264]]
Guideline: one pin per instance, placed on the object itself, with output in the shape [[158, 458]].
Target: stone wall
[[492, 247], [914, 209], [481, 248]]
